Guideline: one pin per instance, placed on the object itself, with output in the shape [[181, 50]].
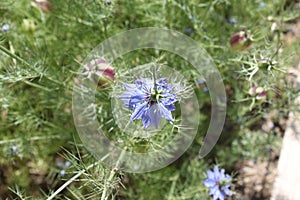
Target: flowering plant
[[150, 101], [218, 183]]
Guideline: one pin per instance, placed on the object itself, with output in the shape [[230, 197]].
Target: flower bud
[[241, 40], [44, 5], [29, 25], [101, 73], [258, 92]]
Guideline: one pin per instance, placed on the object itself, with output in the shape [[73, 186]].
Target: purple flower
[[149, 101], [5, 28], [218, 183]]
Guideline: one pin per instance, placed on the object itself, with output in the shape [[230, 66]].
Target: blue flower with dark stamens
[[149, 101], [219, 183]]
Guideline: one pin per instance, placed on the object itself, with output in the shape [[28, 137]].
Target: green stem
[[71, 180], [31, 139], [14, 56], [173, 187], [113, 172]]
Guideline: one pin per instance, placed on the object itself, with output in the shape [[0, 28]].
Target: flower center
[[155, 95], [222, 183]]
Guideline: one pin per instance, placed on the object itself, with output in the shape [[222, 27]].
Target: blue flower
[[261, 5], [218, 183], [149, 101], [5, 28]]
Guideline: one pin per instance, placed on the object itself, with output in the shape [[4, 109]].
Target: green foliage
[[42, 51]]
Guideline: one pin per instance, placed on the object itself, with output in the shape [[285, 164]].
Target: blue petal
[[216, 172], [228, 178], [165, 112], [137, 98], [162, 81], [210, 174], [125, 97], [169, 87], [171, 107], [146, 119], [222, 174], [140, 83], [154, 115], [218, 195], [138, 111], [226, 190], [209, 182], [213, 190]]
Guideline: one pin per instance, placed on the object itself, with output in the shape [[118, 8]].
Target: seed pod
[[241, 40]]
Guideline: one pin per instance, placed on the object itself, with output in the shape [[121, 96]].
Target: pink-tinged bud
[[252, 91], [44, 5], [258, 92], [241, 40], [101, 73]]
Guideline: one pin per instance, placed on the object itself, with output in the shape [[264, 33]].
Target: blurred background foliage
[[43, 48]]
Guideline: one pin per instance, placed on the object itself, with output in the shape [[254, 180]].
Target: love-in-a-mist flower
[[218, 183], [241, 40], [150, 100]]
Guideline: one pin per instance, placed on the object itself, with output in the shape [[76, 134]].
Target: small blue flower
[[14, 150], [261, 5], [149, 101], [189, 30], [200, 81], [232, 20], [62, 172], [5, 28], [218, 183], [63, 166]]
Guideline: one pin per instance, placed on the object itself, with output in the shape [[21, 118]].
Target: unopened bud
[[241, 40], [44, 5], [101, 73], [29, 25], [258, 92]]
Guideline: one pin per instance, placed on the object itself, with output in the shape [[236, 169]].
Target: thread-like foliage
[[41, 49]]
